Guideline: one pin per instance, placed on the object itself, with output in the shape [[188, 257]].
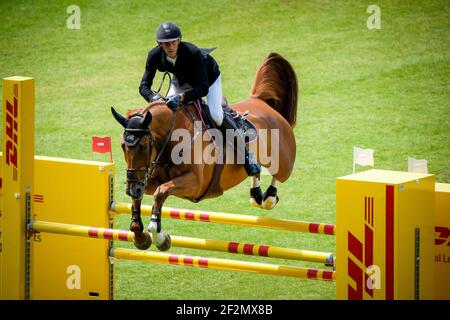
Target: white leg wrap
[[153, 226]]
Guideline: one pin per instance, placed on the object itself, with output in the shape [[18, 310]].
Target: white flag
[[363, 157], [419, 166]]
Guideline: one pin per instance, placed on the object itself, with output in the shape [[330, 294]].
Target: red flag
[[102, 145]]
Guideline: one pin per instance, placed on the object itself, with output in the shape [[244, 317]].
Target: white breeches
[[213, 99]]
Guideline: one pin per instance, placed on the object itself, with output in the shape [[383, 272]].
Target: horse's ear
[[120, 119], [146, 121]]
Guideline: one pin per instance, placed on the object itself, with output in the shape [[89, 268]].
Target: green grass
[[384, 89]]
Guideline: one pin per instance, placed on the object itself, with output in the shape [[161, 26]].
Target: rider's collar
[[172, 61]]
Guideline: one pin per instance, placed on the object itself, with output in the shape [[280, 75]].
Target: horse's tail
[[276, 84]]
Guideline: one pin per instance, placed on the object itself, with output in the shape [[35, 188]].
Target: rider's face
[[170, 48]]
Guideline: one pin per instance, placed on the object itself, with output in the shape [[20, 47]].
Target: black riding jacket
[[193, 66]]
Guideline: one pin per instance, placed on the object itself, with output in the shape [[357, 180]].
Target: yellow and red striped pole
[[186, 242], [224, 264], [253, 249], [80, 231], [228, 218]]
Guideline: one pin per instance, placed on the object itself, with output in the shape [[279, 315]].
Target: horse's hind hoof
[[165, 243], [270, 203], [253, 203], [270, 198], [142, 240], [256, 197]]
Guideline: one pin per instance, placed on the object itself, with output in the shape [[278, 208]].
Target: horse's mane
[[276, 84], [143, 110]]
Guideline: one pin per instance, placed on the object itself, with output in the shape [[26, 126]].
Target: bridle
[[153, 145], [129, 136]]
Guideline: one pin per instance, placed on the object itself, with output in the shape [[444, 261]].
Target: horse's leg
[[180, 186], [142, 240], [256, 195], [270, 198]]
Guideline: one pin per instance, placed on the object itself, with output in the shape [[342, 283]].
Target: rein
[[162, 82], [157, 161]]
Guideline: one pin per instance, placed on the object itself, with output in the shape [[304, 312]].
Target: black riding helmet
[[167, 31]]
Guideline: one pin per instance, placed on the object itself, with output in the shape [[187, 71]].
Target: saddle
[[242, 123]]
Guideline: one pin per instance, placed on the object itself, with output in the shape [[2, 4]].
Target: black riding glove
[[156, 97], [173, 102]]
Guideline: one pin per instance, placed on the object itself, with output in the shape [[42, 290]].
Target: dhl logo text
[[361, 270], [11, 134], [442, 236]]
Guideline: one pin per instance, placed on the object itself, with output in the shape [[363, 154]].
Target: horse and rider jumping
[[148, 137]]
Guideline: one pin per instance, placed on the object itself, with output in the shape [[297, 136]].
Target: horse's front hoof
[[164, 242], [142, 240]]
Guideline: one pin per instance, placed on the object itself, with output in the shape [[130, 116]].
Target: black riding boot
[[251, 166]]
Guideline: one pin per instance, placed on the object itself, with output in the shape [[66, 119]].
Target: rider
[[196, 74]]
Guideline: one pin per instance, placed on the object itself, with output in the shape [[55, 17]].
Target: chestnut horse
[[147, 148]]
